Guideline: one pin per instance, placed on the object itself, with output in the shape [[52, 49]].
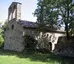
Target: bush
[[1, 38], [1, 41], [29, 43]]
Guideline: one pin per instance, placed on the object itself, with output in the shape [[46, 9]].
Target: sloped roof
[[27, 23], [14, 3]]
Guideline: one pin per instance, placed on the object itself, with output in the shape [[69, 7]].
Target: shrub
[[29, 43], [1, 38], [1, 41]]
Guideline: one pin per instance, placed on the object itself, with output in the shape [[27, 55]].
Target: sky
[[27, 9]]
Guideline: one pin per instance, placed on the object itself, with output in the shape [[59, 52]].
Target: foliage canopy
[[55, 13]]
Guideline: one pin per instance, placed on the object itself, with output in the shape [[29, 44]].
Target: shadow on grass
[[49, 58]]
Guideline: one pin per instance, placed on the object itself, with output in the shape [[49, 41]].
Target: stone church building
[[17, 28]]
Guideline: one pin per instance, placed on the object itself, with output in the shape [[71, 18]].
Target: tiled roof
[[27, 23]]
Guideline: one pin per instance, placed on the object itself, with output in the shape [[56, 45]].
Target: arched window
[[12, 27]]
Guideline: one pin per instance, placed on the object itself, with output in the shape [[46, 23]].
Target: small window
[[10, 37], [12, 27]]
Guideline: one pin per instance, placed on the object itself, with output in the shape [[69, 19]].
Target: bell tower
[[14, 11]]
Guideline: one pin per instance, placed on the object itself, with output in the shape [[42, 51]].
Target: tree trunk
[[67, 33], [66, 23]]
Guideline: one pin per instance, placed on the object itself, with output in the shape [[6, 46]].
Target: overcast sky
[[28, 7]]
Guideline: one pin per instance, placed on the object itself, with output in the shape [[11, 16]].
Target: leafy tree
[[1, 38], [46, 14], [66, 12], [54, 13], [5, 25], [2, 28]]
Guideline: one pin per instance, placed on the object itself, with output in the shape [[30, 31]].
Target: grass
[[10, 57]]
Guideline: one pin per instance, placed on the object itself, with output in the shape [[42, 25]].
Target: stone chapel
[[17, 28]]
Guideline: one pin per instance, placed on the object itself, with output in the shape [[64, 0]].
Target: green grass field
[[10, 57]]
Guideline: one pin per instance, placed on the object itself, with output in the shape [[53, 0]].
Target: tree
[[54, 13], [1, 37], [47, 15], [3, 27], [66, 11]]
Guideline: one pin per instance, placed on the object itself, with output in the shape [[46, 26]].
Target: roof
[[14, 3], [17, 2], [29, 24], [25, 23]]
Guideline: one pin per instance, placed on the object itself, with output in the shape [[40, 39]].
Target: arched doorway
[[50, 46]]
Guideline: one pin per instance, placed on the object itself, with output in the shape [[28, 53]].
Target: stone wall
[[13, 36], [65, 47], [47, 40]]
